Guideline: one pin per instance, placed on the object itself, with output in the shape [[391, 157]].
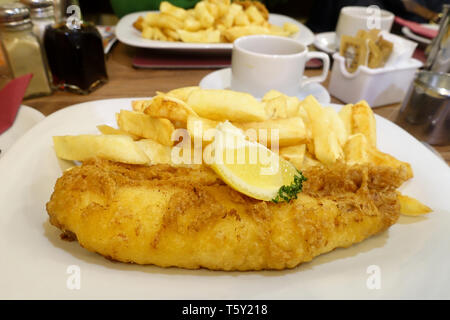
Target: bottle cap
[[14, 14], [40, 8]]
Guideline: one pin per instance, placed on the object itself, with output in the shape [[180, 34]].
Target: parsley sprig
[[287, 193]]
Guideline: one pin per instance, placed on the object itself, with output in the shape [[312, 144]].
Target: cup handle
[[326, 66]]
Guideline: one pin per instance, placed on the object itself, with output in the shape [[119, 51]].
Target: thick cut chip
[[335, 124], [363, 121], [310, 161], [346, 116], [172, 35], [383, 159], [279, 105], [278, 31], [294, 154], [241, 19], [202, 36], [201, 128], [290, 28], [156, 152], [271, 94], [105, 129], [182, 93], [165, 106], [213, 9], [139, 24], [233, 33], [143, 125], [168, 8], [357, 149], [224, 105], [327, 148], [276, 107], [110, 147], [203, 15], [411, 207], [192, 24], [288, 132], [254, 15], [230, 16], [259, 5], [166, 21], [153, 33]]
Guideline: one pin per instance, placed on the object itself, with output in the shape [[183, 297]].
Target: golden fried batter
[[187, 217], [258, 4]]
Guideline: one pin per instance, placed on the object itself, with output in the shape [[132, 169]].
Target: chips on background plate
[[210, 21]]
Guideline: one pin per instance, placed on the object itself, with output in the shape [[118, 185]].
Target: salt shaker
[[22, 50], [42, 14]]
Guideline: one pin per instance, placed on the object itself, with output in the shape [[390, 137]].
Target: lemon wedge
[[249, 167]]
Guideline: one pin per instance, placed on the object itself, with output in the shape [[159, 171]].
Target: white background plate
[[25, 119], [127, 34], [412, 255], [221, 79], [411, 35]]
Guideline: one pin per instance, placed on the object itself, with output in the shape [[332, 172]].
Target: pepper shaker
[[21, 48], [42, 14]]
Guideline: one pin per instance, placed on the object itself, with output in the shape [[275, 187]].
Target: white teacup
[[260, 63], [352, 19]]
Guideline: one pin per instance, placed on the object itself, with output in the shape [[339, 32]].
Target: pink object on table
[[10, 100], [417, 28], [167, 60], [419, 54], [159, 59]]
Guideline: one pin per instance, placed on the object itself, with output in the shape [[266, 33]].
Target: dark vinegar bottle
[[76, 57]]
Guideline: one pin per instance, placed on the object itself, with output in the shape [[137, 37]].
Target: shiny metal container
[[438, 52], [425, 112]]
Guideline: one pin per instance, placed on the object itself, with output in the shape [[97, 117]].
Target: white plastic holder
[[379, 87]]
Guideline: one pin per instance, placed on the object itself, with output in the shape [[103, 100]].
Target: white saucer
[[411, 35], [221, 79], [325, 42], [26, 118]]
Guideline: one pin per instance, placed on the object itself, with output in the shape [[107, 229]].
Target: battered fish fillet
[[187, 217]]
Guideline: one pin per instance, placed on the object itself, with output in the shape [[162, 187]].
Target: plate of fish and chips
[[211, 26], [372, 217]]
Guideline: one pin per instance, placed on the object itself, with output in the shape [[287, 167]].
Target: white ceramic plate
[[325, 42], [26, 118], [127, 34], [221, 79], [412, 256], [411, 35]]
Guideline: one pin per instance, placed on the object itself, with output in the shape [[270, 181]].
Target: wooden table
[[126, 81]]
